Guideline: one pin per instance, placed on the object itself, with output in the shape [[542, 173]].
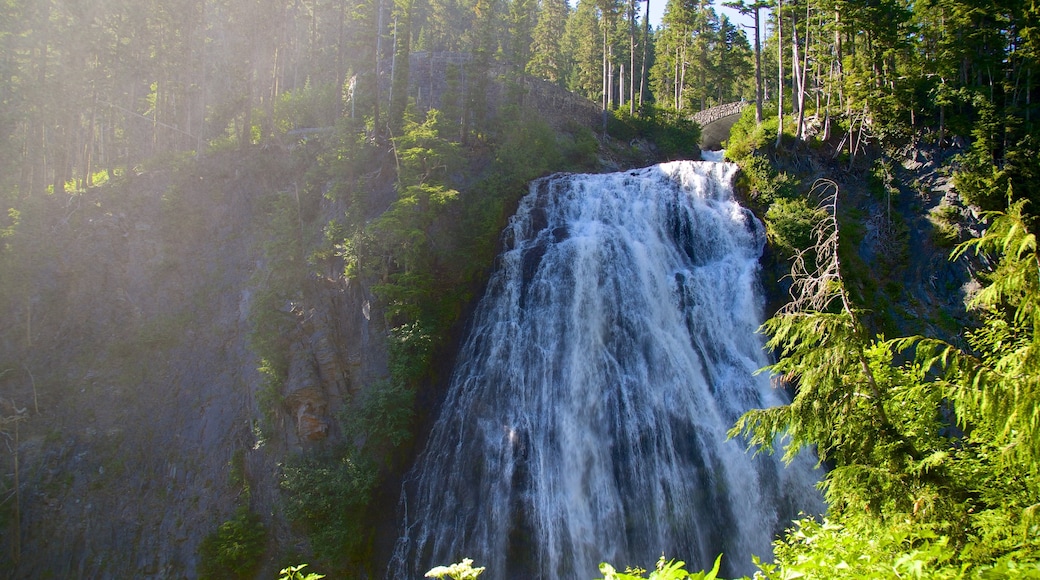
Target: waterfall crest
[[587, 414]]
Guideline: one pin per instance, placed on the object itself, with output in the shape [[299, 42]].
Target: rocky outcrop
[[333, 354], [134, 334]]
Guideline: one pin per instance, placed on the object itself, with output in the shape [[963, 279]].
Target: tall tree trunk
[[675, 83], [632, 57], [606, 71], [758, 67], [621, 85], [780, 71], [646, 41], [375, 80], [681, 81], [88, 148], [796, 59], [803, 76]]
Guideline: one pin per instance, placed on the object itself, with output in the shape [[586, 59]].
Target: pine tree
[[581, 42], [548, 61]]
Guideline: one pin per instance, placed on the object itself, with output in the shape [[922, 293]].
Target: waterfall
[[586, 418]]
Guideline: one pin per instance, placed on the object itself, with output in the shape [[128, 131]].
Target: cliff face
[[125, 353]]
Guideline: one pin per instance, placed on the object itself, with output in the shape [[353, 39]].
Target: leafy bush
[[463, 570], [579, 146], [234, 549], [827, 550], [670, 570], [675, 135], [746, 137], [307, 107], [329, 495], [789, 224], [411, 351], [383, 419], [296, 573], [764, 182]]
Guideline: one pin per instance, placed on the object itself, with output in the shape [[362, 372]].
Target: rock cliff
[[130, 360]]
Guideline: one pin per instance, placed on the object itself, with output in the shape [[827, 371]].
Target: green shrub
[[579, 147], [526, 148], [296, 573], [307, 107], [764, 182], [463, 570], [946, 221], [670, 570], [829, 550], [675, 135], [328, 495], [746, 137], [234, 549], [789, 224], [383, 419]]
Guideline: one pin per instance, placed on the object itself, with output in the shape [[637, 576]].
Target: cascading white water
[[586, 419]]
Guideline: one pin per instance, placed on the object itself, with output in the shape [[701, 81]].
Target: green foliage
[[747, 137], [296, 573], [894, 549], [674, 134], [996, 387], [789, 224], [329, 495], [748, 146], [425, 150], [979, 178], [277, 283], [14, 217], [901, 549], [411, 352], [1002, 158], [383, 418], [665, 570], [880, 182], [701, 59], [309, 107], [932, 461], [579, 146], [463, 570], [765, 183], [946, 219], [527, 148], [234, 549]]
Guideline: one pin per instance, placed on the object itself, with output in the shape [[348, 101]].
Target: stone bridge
[[716, 123], [428, 85]]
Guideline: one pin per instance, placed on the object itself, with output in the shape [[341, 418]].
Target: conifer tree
[[582, 42], [548, 60]]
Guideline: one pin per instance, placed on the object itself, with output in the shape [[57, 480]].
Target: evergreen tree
[[701, 60], [581, 41], [548, 61]]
